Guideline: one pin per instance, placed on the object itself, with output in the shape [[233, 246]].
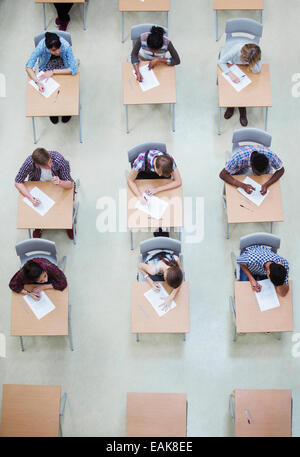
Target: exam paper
[[267, 298], [46, 202], [255, 196], [149, 78], [50, 85], [244, 80], [40, 307], [156, 299], [155, 207]]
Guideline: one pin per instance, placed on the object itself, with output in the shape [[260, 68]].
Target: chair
[[250, 135], [137, 30], [242, 25], [155, 246], [134, 152], [61, 34], [61, 413], [75, 211]]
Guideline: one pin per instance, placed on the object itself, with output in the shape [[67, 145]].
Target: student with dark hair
[[41, 272], [153, 46], [63, 18], [258, 262], [257, 160], [44, 165], [167, 266], [154, 164], [55, 57]]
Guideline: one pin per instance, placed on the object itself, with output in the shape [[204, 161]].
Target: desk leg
[[219, 127], [61, 413], [279, 336], [180, 234], [21, 342], [267, 118], [131, 240], [44, 13], [173, 117], [271, 227], [167, 20], [184, 337], [261, 16], [227, 231], [84, 16], [33, 128], [80, 124], [233, 316], [122, 20], [29, 233], [217, 26], [232, 408], [137, 337], [126, 111], [70, 328]]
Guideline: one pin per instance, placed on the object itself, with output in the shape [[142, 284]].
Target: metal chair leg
[[126, 112], [84, 16], [167, 20], [231, 302], [122, 19], [61, 412], [261, 16], [217, 26], [137, 337], [184, 337], [267, 118], [70, 329], [131, 240], [33, 128], [44, 14], [232, 408], [173, 117], [21, 342]]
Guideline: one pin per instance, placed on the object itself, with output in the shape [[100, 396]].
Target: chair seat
[[41, 256]]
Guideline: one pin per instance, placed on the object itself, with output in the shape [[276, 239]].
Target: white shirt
[[46, 175]]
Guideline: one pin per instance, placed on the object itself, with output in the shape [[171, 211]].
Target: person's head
[[163, 165], [276, 272], [53, 43], [155, 39], [251, 54], [259, 163], [41, 158], [173, 275], [34, 272]]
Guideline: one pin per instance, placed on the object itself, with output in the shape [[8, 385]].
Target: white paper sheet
[[255, 196], [50, 85], [155, 207], [156, 299], [40, 307], [46, 202], [149, 78], [267, 298], [244, 80]]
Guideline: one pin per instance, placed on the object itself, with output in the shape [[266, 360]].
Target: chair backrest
[[160, 243], [137, 30], [243, 25], [266, 239], [36, 247], [134, 152], [61, 34], [252, 135]]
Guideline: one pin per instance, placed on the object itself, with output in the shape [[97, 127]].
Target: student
[[63, 18], [257, 160], [168, 267], [44, 165], [55, 57], [258, 262], [155, 164], [41, 272], [243, 54], [153, 46]]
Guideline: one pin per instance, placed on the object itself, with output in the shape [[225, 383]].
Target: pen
[[143, 310], [58, 92], [246, 208]]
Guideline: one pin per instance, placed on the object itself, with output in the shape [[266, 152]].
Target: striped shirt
[[240, 162], [142, 51], [139, 163]]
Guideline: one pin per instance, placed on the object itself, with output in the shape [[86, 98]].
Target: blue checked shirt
[[255, 257], [43, 54], [139, 163], [240, 162]]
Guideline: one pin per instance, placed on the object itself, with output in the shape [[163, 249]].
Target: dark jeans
[[63, 11], [243, 276]]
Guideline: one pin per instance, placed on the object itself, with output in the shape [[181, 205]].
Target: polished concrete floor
[[107, 361]]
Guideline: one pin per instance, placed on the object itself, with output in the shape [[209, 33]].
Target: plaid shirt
[[60, 167], [241, 160], [55, 276], [139, 163], [255, 257]]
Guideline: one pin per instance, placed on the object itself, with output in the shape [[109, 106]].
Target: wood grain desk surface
[[156, 415], [145, 5], [238, 4], [249, 318], [270, 210]]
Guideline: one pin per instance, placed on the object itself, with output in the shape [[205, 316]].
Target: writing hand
[[248, 188], [35, 201], [35, 295], [55, 180], [264, 189], [255, 286], [156, 287]]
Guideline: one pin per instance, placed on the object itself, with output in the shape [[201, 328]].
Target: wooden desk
[[156, 415], [30, 411], [269, 411], [65, 101], [237, 5], [270, 209], [172, 217], [256, 94], [60, 216], [144, 318], [84, 3], [164, 93], [56, 323], [143, 6], [249, 318]]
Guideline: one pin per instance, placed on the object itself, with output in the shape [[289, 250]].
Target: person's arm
[[24, 191], [42, 287], [63, 178], [175, 59], [132, 185], [20, 179], [71, 62], [254, 284], [146, 270], [275, 177], [257, 67], [227, 177], [282, 290], [135, 59], [31, 63], [175, 182], [64, 184], [59, 281]]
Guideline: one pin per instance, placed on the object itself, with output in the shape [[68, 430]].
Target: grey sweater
[[231, 53]]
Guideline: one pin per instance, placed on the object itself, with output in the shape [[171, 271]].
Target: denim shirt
[[42, 53]]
